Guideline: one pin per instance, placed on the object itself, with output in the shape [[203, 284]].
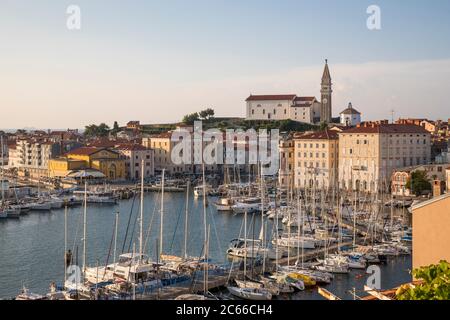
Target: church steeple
[[326, 91], [326, 77]]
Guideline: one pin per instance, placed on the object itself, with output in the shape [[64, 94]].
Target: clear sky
[[155, 61]]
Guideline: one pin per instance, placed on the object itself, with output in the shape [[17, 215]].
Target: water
[[32, 248]]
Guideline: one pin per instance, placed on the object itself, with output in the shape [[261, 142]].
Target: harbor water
[[32, 247]]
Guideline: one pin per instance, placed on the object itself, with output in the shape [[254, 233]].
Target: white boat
[[295, 242], [333, 265], [40, 206], [56, 203], [191, 297], [27, 295], [3, 214], [198, 191], [101, 199], [248, 205], [224, 204], [12, 213], [250, 293]]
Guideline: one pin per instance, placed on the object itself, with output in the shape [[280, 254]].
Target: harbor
[[33, 245]]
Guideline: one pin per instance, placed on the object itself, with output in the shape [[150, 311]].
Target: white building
[[283, 107], [31, 157], [293, 107], [350, 117]]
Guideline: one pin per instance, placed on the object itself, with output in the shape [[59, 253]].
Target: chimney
[[437, 188]]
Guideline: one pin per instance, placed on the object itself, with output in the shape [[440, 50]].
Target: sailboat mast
[[84, 225], [245, 244], [141, 219], [3, 190], [186, 220], [115, 239], [204, 201], [65, 244], [161, 227]]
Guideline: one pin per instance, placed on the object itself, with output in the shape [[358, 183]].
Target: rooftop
[[387, 128], [271, 97], [319, 135]]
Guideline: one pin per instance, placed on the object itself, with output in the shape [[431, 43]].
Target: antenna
[[392, 115]]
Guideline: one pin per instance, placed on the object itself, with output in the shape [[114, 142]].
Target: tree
[[206, 114], [418, 182], [435, 284], [190, 118], [93, 130]]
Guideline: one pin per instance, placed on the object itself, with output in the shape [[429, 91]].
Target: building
[[316, 159], [283, 107], [369, 153], [326, 91], [447, 179], [401, 176], [31, 157], [135, 155], [107, 161], [286, 171], [134, 125], [350, 117], [62, 167], [431, 231], [291, 106]]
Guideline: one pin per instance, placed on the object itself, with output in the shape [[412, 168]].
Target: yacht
[[248, 205], [224, 204]]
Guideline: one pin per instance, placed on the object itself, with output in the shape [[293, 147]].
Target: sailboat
[[253, 292]]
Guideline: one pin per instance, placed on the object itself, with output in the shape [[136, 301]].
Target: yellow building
[[316, 158], [61, 167], [286, 170], [109, 162], [431, 231]]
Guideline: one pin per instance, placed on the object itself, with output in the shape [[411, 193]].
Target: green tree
[[93, 130], [435, 284], [418, 182], [190, 118]]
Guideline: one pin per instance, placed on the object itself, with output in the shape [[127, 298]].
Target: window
[[253, 111]]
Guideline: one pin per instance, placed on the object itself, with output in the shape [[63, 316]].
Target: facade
[[293, 107], [62, 167], [109, 162], [134, 155], [369, 154], [283, 107], [316, 159], [286, 171], [431, 231], [447, 179], [401, 176], [31, 157], [350, 117]]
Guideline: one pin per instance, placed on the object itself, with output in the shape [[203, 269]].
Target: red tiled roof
[[388, 128], [85, 151], [319, 135], [131, 147], [308, 99], [271, 97]]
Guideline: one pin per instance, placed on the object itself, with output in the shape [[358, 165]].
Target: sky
[[155, 61]]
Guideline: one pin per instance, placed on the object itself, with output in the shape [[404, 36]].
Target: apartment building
[[401, 176], [286, 171], [31, 157], [369, 153], [135, 155], [316, 159]]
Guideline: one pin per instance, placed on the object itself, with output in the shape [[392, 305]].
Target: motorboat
[[248, 205], [224, 204]]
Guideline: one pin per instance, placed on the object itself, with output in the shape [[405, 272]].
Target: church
[[293, 107]]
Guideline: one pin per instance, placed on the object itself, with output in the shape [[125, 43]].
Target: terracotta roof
[[388, 128], [131, 147], [319, 135], [164, 135], [271, 97], [85, 151]]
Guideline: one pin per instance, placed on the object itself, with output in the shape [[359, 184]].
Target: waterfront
[[32, 247]]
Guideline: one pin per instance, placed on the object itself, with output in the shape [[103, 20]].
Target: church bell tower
[[325, 112]]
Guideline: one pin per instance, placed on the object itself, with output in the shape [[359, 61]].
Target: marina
[[35, 267]]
